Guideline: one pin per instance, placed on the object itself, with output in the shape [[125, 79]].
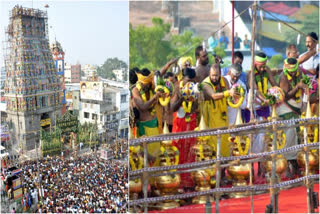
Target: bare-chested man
[[202, 66], [145, 100], [293, 87]]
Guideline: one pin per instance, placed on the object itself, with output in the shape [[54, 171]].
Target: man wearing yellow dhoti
[[215, 112], [145, 100]]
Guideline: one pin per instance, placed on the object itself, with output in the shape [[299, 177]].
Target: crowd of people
[[119, 148], [81, 185], [223, 42], [200, 89]]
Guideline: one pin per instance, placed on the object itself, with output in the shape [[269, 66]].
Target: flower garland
[[223, 104], [240, 90], [133, 165], [280, 145], [163, 101], [144, 96], [237, 141], [315, 138], [258, 81], [177, 155], [186, 108], [283, 143], [212, 172], [201, 152], [166, 155]]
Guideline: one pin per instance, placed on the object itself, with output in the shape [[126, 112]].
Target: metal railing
[[251, 128]]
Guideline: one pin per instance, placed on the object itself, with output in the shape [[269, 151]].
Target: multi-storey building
[[75, 73], [109, 107], [89, 69], [119, 74], [67, 72]]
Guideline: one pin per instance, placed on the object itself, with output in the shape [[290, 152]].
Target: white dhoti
[[288, 111]]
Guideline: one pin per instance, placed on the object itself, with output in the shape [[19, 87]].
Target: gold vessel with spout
[[312, 132], [239, 172], [135, 185], [281, 162], [203, 178], [167, 184]]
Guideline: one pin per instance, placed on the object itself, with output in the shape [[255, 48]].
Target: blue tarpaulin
[[271, 52], [278, 16]]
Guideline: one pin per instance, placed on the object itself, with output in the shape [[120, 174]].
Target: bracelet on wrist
[[226, 94]]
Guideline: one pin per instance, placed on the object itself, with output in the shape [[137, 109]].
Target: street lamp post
[[38, 166]]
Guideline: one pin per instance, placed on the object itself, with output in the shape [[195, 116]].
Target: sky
[[90, 32]]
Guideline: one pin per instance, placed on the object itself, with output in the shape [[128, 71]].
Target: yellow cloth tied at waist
[[150, 128]]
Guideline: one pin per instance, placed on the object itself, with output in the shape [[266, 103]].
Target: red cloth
[[290, 201], [185, 145], [280, 8]]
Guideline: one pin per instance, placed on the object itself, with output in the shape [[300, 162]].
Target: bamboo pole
[[254, 20], [232, 32], [218, 173], [251, 174], [308, 182], [145, 176], [274, 191]]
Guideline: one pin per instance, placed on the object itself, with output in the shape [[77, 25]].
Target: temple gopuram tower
[[58, 56], [32, 87]]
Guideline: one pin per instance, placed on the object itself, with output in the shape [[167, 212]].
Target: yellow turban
[[145, 79], [183, 61]]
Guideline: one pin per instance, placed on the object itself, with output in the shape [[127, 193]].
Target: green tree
[[106, 70], [82, 73], [152, 47], [182, 42], [310, 23], [275, 61], [148, 46]]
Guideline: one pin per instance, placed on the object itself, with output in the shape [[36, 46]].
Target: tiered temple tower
[[32, 87], [58, 56]]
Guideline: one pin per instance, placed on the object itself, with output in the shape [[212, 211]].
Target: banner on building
[[45, 122], [69, 100], [91, 90]]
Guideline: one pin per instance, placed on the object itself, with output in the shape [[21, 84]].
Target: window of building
[[86, 115], [124, 114], [94, 116], [114, 116], [123, 98], [100, 118], [43, 100], [108, 117]]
